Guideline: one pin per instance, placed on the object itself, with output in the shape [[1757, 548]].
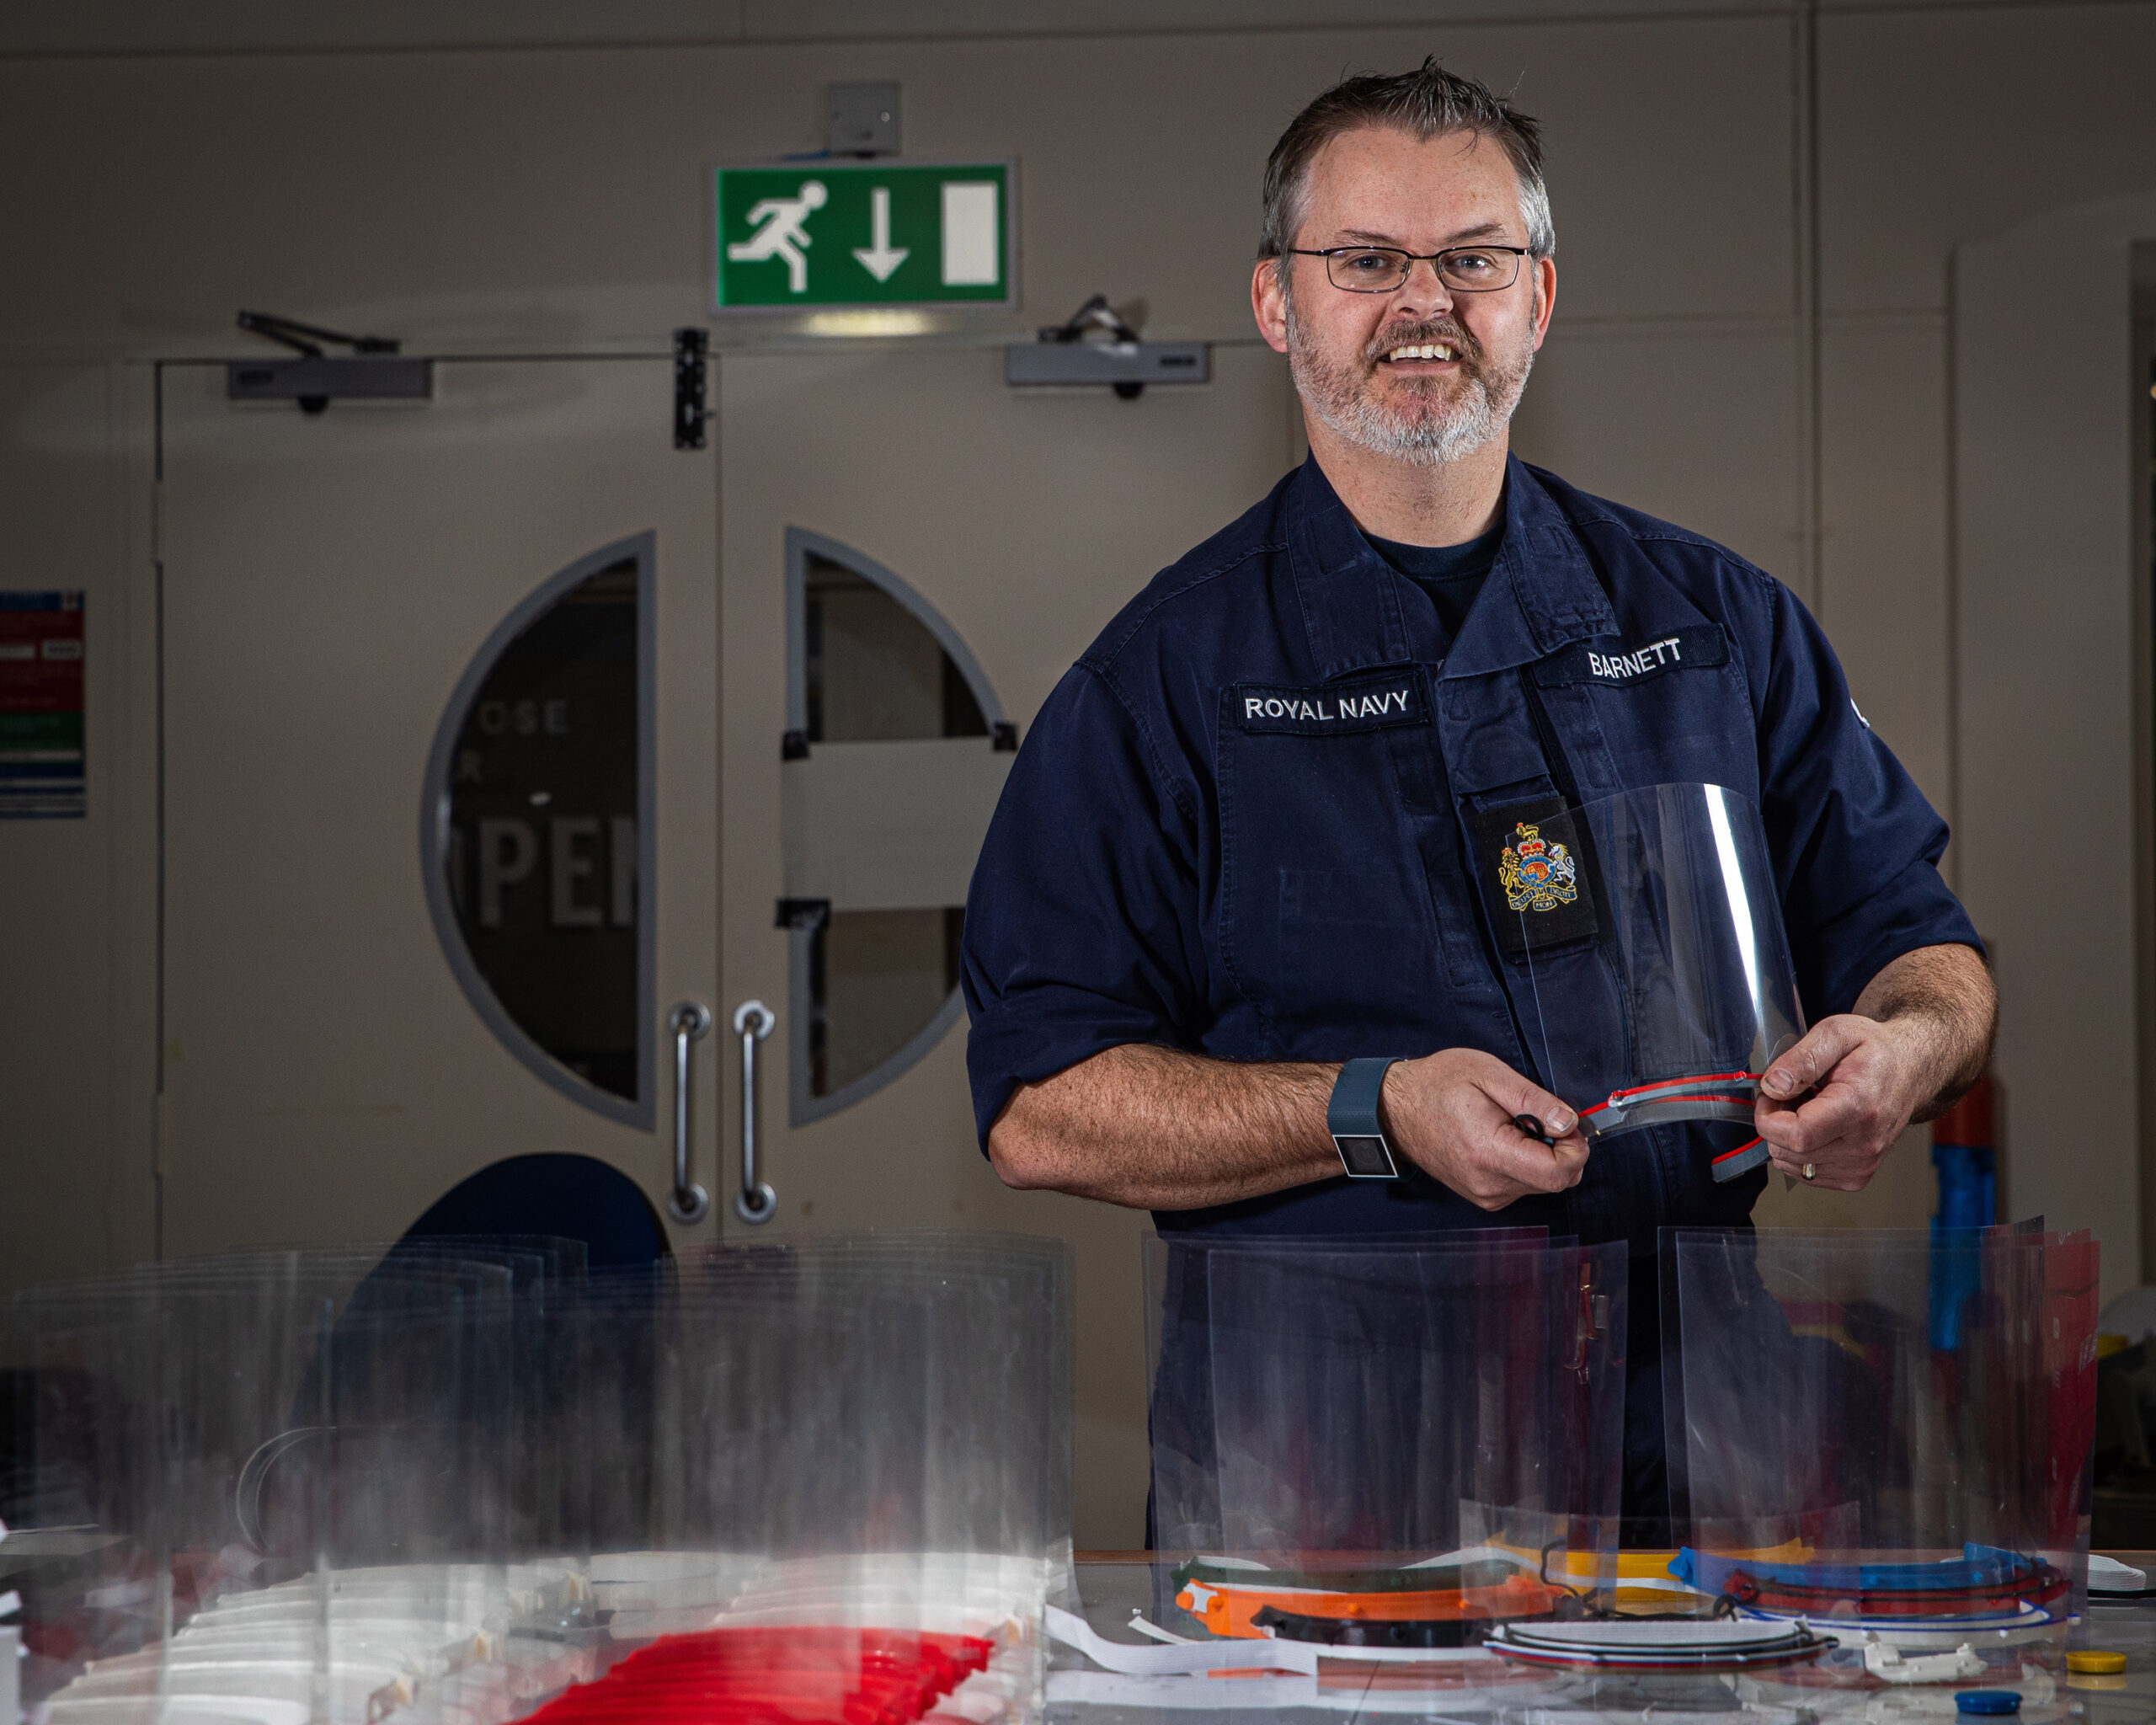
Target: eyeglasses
[[1383, 269]]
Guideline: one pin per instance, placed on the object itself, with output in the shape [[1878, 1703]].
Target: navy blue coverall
[[1242, 825]]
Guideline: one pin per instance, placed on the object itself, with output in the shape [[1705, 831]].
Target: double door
[[503, 743]]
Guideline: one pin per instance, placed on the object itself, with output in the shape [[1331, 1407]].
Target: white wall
[[2049, 663], [78, 897]]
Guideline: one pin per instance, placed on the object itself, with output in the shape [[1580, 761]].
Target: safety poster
[[41, 772]]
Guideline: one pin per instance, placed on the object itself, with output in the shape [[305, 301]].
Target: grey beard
[[1444, 433]]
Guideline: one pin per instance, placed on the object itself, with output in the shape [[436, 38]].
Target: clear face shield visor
[[1653, 979]]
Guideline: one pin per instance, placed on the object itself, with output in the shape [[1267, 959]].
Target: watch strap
[[1351, 1117]]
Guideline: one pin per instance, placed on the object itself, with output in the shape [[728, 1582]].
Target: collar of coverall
[[1541, 594]]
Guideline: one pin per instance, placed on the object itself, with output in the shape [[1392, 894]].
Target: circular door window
[[896, 752], [536, 834]]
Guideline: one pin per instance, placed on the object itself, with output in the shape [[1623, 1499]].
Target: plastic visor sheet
[[437, 1484], [1184, 1504], [1657, 983], [332, 1362], [251, 1441], [894, 1412], [544, 1273], [926, 1467], [1348, 1420], [1845, 1449]]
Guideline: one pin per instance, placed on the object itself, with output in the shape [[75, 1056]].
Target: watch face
[[1367, 1158]]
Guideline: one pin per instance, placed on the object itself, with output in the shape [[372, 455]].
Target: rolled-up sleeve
[[1081, 926], [1856, 843]]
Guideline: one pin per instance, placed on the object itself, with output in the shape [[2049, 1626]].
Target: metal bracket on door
[[1063, 355], [755, 1202], [688, 1204], [315, 379], [692, 352]]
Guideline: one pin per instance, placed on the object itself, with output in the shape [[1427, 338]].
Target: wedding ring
[[1809, 1171]]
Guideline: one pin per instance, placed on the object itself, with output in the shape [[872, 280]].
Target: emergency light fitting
[[861, 119]]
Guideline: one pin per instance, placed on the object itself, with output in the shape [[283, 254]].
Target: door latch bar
[[688, 1204], [755, 1202]]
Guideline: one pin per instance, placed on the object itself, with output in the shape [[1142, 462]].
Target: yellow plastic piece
[[2095, 1663]]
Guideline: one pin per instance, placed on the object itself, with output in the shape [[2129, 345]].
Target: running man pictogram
[[783, 234]]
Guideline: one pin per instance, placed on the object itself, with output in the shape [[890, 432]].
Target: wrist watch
[[1351, 1117]]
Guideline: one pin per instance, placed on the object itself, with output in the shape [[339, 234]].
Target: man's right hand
[[1159, 1129], [1452, 1113]]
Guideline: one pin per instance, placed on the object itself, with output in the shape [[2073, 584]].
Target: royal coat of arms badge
[[1536, 875]]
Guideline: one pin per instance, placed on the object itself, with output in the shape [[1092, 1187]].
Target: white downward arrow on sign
[[879, 257]]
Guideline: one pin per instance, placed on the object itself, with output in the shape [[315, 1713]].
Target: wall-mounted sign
[[41, 705], [863, 233]]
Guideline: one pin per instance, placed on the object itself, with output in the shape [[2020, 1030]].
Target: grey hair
[[1427, 103]]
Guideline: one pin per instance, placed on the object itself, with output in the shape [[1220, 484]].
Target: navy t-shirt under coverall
[[1241, 826]]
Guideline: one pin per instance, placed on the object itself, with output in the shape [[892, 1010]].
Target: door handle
[[755, 1202], [690, 1022]]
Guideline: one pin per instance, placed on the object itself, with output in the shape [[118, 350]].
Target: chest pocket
[[1519, 770], [1327, 925], [1608, 664], [1670, 705], [1595, 718]]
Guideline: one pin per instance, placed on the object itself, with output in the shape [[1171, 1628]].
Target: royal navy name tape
[[1698, 647], [1330, 709]]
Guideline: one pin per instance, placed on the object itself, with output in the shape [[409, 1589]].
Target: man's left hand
[[1869, 1081], [1920, 1034]]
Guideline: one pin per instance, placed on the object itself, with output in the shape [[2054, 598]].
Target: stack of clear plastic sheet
[[1655, 978], [1883, 1434], [860, 1477], [1382, 1448], [283, 1463], [466, 1482], [923, 1477]]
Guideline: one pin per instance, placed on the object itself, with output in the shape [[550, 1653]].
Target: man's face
[[1357, 359]]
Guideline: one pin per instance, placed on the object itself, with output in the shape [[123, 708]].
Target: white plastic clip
[[1887, 1664]]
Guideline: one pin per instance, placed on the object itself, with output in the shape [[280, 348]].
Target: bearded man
[[1240, 876]]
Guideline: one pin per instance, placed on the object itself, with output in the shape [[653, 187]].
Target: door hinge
[[691, 357]]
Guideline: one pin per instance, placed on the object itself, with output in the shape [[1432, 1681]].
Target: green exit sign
[[863, 233]]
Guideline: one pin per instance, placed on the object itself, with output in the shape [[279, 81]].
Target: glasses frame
[[1434, 260]]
